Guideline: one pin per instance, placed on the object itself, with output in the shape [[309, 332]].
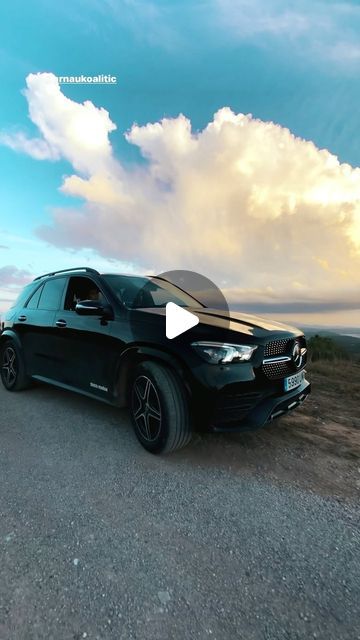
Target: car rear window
[[24, 295]]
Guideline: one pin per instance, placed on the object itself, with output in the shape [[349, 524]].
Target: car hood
[[243, 323]]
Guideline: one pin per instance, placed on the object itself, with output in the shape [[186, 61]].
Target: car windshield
[[140, 292]]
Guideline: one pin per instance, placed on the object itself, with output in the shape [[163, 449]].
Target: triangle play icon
[[178, 320]]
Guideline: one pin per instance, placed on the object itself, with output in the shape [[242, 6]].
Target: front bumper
[[254, 412]]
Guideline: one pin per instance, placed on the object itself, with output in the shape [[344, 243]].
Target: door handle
[[60, 323], [22, 318]]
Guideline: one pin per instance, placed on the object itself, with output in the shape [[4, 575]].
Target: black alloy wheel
[[159, 408], [12, 368]]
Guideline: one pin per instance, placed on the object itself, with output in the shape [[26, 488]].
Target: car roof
[[87, 271]]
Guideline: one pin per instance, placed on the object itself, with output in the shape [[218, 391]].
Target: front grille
[[276, 370], [276, 348]]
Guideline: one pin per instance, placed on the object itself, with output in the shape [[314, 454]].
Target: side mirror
[[94, 308]]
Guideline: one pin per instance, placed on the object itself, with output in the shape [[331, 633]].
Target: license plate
[[294, 381]]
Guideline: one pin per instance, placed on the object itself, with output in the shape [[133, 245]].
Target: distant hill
[[347, 343]]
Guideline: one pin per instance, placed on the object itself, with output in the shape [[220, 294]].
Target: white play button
[[178, 320]]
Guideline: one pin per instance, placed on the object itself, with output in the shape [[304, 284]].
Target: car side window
[[51, 294], [81, 288], [34, 300]]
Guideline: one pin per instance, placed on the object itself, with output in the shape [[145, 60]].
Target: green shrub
[[324, 348]]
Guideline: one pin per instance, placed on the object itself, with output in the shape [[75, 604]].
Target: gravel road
[[99, 539]]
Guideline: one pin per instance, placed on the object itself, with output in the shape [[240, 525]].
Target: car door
[[34, 324], [85, 348]]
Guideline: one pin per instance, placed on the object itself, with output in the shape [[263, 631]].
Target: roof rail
[[53, 273]]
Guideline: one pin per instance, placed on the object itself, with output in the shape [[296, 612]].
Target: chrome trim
[[88, 308], [293, 404], [277, 413], [277, 359]]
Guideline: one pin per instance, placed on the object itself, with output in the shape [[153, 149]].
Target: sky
[[229, 146]]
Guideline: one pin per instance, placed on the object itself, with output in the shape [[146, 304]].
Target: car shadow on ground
[[291, 450]]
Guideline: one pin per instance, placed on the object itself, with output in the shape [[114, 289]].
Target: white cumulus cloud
[[77, 132], [267, 215]]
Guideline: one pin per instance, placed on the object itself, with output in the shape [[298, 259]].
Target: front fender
[[9, 334], [136, 353]]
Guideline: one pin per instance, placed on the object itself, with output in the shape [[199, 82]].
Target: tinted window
[[23, 296], [51, 295], [82, 288], [33, 302]]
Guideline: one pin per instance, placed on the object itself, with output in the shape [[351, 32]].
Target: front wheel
[[13, 375], [159, 408]]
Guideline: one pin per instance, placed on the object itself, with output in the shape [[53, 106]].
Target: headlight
[[219, 352]]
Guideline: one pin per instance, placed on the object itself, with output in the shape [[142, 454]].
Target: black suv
[[103, 335]]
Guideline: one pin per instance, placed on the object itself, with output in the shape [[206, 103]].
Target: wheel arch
[[135, 354], [9, 334], [21, 379]]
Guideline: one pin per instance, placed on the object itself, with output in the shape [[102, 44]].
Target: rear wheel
[[13, 375], [159, 408]]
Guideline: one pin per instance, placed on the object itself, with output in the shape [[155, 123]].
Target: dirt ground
[[317, 446]]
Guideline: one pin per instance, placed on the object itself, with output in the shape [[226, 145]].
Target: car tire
[[12, 367], [159, 408]]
